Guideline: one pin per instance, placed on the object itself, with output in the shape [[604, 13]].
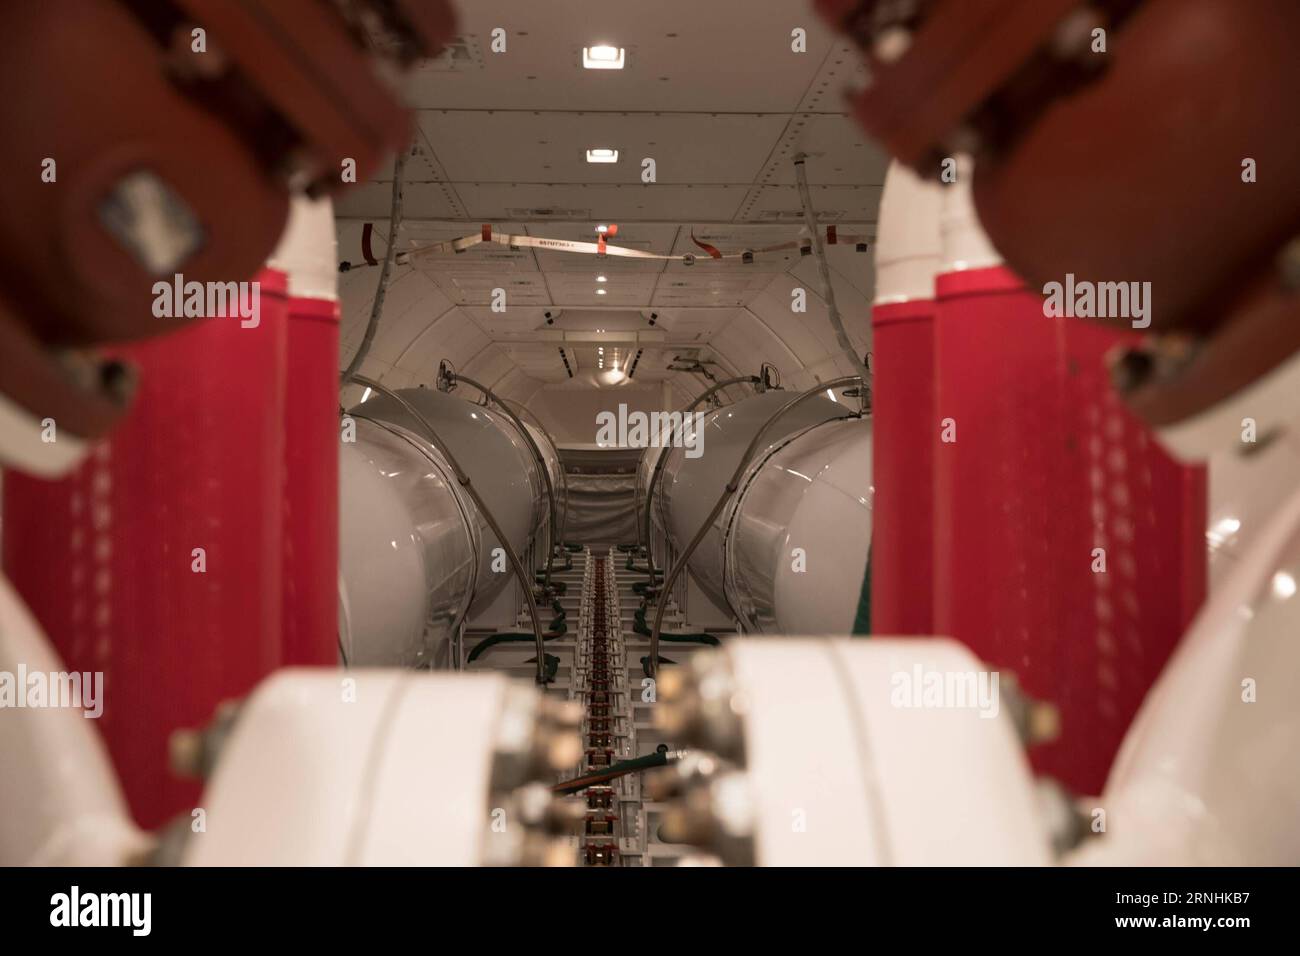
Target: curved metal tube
[[564, 475], [824, 272], [377, 306], [659, 465], [468, 485], [680, 565], [551, 528]]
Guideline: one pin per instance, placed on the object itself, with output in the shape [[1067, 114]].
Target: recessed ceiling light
[[601, 279], [603, 57], [602, 154], [600, 292], [601, 351]]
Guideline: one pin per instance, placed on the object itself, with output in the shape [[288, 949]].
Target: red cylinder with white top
[[1068, 547], [307, 255], [908, 255], [158, 561]]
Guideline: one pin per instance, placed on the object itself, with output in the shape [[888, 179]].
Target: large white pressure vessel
[[410, 550], [798, 531], [551, 457], [417, 556], [689, 488], [492, 453]]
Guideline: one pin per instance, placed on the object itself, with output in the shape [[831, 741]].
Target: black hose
[[613, 772]]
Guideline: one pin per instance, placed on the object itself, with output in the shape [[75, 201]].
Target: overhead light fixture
[[600, 292], [601, 279], [602, 154], [365, 397], [603, 57], [601, 350]]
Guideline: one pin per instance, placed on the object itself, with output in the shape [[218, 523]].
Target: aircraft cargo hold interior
[[730, 434]]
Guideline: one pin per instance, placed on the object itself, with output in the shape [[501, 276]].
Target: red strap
[[711, 250], [366, 232]]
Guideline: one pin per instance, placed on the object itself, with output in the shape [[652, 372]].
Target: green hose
[[862, 620], [613, 772], [557, 628]]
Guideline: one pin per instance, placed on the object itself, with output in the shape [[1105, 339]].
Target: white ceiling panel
[[714, 93], [374, 200], [675, 49], [518, 146], [612, 203]]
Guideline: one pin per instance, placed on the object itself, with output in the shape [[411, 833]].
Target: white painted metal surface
[[965, 244], [308, 250], [798, 533], [409, 552], [60, 803], [909, 250], [841, 773], [343, 768], [689, 487], [495, 457]]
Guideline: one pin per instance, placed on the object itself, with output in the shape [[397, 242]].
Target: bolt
[[891, 44], [1073, 36]]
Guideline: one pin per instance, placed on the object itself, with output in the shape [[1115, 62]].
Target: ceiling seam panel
[[776, 335], [422, 333]]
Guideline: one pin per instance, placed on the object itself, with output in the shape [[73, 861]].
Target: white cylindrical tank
[[644, 473], [410, 547], [60, 802], [443, 757], [689, 486], [551, 456], [797, 533], [835, 753], [497, 460]]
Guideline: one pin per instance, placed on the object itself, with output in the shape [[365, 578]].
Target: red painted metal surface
[[311, 505], [904, 432], [106, 557], [1047, 466]]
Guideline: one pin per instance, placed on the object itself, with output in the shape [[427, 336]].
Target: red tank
[[159, 560]]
